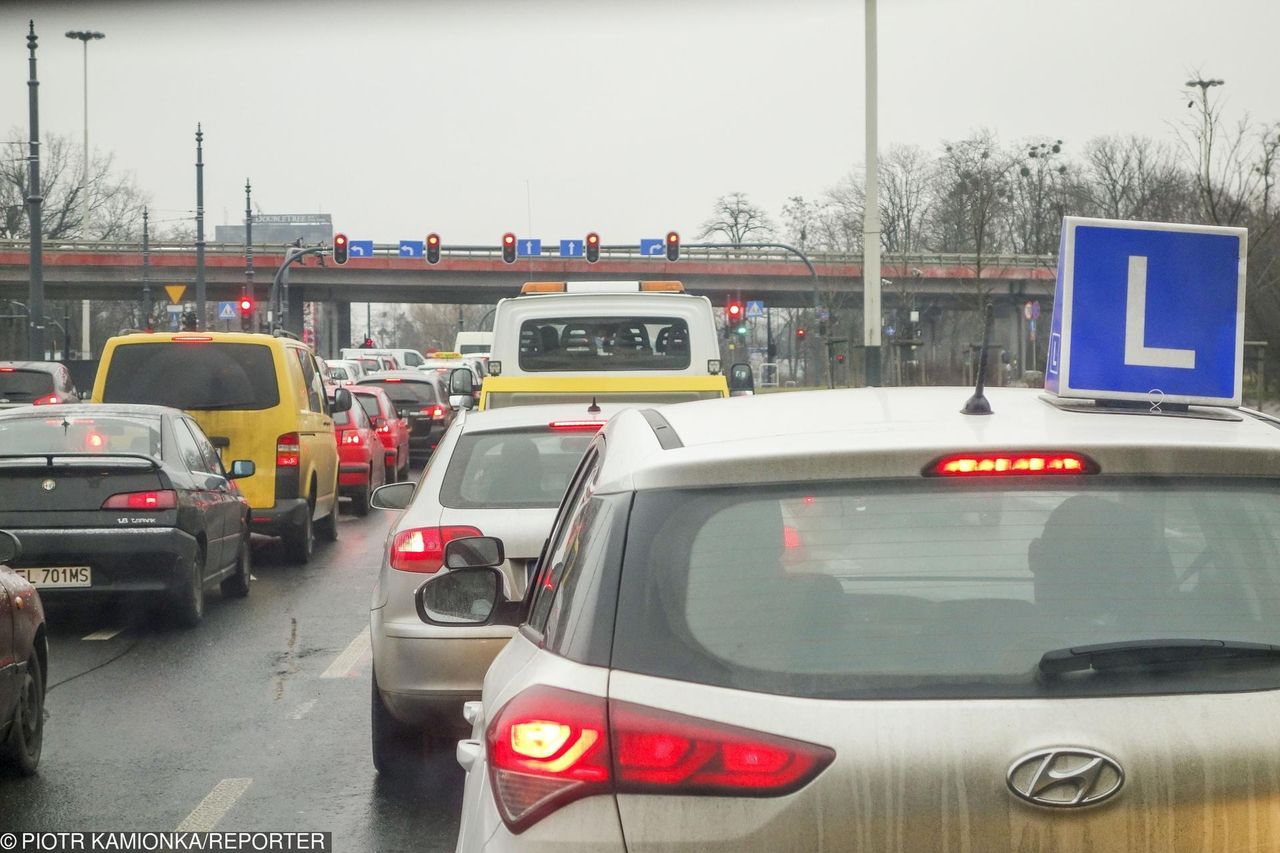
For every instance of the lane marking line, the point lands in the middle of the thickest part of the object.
(301, 711)
(349, 657)
(212, 808)
(104, 634)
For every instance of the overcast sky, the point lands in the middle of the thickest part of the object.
(472, 117)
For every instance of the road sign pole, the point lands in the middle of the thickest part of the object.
(200, 294)
(35, 298)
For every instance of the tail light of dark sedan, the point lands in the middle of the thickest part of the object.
(548, 747)
(435, 411)
(146, 501)
(421, 549)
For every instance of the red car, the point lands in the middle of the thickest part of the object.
(392, 429)
(361, 457)
(24, 665)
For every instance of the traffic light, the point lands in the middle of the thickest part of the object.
(673, 245)
(735, 312)
(742, 329)
(367, 344)
(593, 247)
(800, 333)
(509, 248)
(840, 358)
(246, 313)
(339, 248)
(433, 248)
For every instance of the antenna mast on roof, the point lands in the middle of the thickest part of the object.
(978, 404)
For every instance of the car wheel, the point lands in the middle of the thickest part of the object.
(237, 586)
(188, 607)
(300, 541)
(397, 749)
(21, 750)
(328, 526)
(360, 497)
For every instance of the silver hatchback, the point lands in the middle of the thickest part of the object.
(499, 473)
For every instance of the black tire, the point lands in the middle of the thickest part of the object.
(188, 602)
(360, 498)
(300, 541)
(327, 528)
(403, 474)
(397, 749)
(21, 749)
(237, 586)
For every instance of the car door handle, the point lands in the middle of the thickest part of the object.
(471, 711)
(468, 753)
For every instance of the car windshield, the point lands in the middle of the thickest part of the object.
(604, 343)
(512, 469)
(885, 590)
(17, 385)
(99, 433)
(193, 376)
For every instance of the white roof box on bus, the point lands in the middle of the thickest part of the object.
(602, 287)
(1147, 311)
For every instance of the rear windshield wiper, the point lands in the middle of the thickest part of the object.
(1134, 653)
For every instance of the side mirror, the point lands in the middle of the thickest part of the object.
(394, 496)
(241, 468)
(741, 382)
(460, 598)
(461, 401)
(474, 552)
(11, 548)
(461, 382)
(341, 400)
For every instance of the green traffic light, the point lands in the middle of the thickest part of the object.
(742, 330)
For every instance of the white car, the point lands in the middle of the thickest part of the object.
(498, 473)
(345, 371)
(861, 620)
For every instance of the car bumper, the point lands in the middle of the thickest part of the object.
(425, 677)
(351, 475)
(121, 561)
(424, 440)
(286, 514)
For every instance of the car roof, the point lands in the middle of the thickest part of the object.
(512, 417)
(125, 409)
(896, 432)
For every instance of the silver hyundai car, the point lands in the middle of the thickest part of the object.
(499, 473)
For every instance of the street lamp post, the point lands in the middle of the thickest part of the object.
(86, 313)
(871, 213)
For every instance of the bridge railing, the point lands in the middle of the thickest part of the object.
(687, 253)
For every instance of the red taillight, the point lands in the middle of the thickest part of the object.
(350, 438)
(1010, 464)
(548, 747)
(421, 549)
(288, 450)
(7, 369)
(148, 501)
(392, 379)
(385, 429)
(436, 412)
(45, 401)
(576, 426)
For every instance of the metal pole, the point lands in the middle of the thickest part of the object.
(871, 213)
(35, 299)
(248, 251)
(146, 270)
(86, 312)
(200, 294)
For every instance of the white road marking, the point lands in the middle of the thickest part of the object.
(104, 634)
(349, 657)
(212, 808)
(301, 711)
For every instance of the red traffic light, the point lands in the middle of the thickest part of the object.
(734, 311)
(593, 247)
(800, 333)
(509, 248)
(673, 245)
(339, 248)
(246, 305)
(433, 248)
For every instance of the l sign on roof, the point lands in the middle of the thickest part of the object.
(1148, 311)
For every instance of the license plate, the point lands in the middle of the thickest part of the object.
(55, 576)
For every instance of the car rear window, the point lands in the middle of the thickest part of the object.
(879, 590)
(81, 434)
(193, 376)
(406, 392)
(604, 343)
(512, 469)
(369, 403)
(338, 373)
(21, 386)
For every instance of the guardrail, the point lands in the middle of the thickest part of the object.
(618, 253)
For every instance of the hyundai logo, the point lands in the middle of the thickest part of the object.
(1064, 778)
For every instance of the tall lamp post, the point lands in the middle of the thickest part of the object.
(85, 36)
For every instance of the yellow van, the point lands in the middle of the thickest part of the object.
(612, 341)
(258, 397)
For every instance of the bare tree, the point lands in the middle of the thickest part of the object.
(906, 196)
(1037, 198)
(1133, 177)
(735, 219)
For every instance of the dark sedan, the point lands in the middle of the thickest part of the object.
(123, 500)
(24, 665)
(38, 383)
(422, 399)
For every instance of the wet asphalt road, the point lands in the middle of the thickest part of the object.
(144, 726)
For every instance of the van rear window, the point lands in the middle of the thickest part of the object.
(604, 343)
(23, 386)
(193, 376)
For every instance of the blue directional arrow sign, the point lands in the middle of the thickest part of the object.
(360, 248)
(410, 248)
(571, 248)
(226, 310)
(755, 309)
(527, 247)
(1150, 312)
(652, 246)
